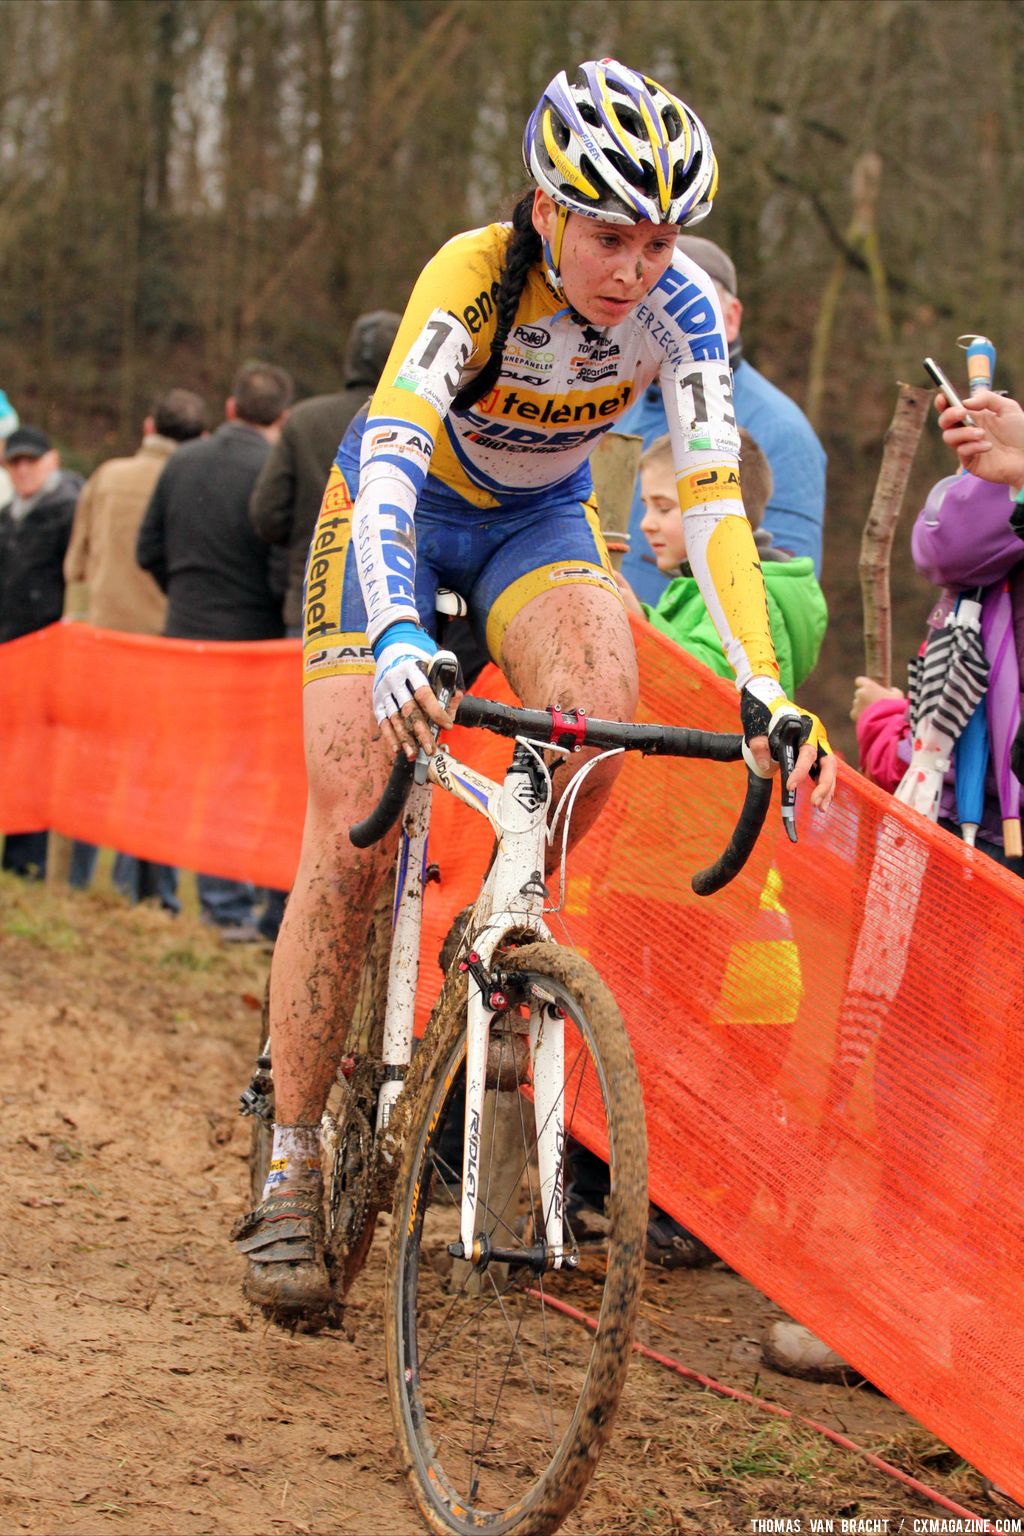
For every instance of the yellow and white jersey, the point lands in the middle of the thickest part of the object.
(562, 385)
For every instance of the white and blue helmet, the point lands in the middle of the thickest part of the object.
(617, 146)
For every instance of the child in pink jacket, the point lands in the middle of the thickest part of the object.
(962, 539)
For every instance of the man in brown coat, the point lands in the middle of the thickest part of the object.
(119, 595)
(109, 512)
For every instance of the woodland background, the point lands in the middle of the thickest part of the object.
(187, 183)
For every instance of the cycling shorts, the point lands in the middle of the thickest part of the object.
(497, 559)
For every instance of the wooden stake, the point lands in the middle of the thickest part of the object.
(901, 441)
(614, 465)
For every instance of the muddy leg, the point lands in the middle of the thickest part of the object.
(573, 647)
(319, 953)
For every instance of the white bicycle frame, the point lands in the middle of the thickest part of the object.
(513, 896)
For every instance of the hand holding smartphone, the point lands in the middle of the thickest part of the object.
(932, 368)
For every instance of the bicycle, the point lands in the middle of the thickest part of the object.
(484, 1228)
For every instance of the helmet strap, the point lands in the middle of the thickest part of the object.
(553, 252)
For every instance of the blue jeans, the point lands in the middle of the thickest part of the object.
(25, 853)
(83, 865)
(138, 880)
(227, 903)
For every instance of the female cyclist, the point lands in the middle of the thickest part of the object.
(521, 345)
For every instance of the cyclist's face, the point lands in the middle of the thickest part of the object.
(662, 524)
(607, 269)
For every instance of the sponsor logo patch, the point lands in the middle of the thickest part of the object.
(715, 482)
(532, 336)
(582, 573)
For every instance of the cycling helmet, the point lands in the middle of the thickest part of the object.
(617, 146)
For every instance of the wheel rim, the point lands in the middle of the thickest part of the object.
(494, 1385)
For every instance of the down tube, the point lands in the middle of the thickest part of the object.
(403, 971)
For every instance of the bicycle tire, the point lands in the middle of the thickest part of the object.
(499, 1485)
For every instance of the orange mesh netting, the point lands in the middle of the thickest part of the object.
(184, 752)
(831, 1049)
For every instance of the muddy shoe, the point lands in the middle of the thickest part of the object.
(793, 1350)
(671, 1246)
(283, 1240)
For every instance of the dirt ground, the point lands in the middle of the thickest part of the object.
(139, 1395)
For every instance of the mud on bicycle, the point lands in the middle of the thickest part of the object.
(500, 1409)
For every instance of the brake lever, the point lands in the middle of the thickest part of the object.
(444, 675)
(788, 748)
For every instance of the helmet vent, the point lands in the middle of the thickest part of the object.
(673, 123)
(630, 119)
(559, 131)
(686, 175)
(592, 174)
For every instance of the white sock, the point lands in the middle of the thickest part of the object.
(295, 1158)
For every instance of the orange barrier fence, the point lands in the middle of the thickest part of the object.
(832, 1049)
(179, 751)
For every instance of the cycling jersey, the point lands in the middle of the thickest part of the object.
(526, 444)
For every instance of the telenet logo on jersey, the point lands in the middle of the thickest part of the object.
(336, 496)
(577, 408)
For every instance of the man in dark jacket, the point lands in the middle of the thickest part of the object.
(221, 580)
(290, 488)
(196, 540)
(34, 532)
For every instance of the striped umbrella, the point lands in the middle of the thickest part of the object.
(951, 677)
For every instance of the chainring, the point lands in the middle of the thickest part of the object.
(351, 1210)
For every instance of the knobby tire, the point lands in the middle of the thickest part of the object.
(472, 1463)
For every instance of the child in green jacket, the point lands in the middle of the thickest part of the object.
(796, 604)
(798, 615)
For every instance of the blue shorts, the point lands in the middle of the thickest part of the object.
(498, 559)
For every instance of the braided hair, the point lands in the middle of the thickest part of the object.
(524, 250)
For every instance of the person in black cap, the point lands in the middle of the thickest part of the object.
(34, 531)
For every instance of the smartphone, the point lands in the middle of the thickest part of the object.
(932, 368)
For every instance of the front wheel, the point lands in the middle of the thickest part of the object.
(502, 1405)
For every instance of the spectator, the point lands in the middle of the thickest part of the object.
(221, 580)
(122, 596)
(962, 539)
(795, 512)
(796, 604)
(291, 484)
(993, 450)
(34, 530)
(8, 423)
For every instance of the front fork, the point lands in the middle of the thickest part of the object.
(514, 896)
(547, 1058)
(404, 964)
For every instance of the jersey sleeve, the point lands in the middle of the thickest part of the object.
(696, 383)
(444, 337)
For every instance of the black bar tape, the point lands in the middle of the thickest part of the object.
(388, 808)
(741, 844)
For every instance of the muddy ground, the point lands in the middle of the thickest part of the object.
(138, 1394)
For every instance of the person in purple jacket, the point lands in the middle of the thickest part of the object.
(962, 539)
